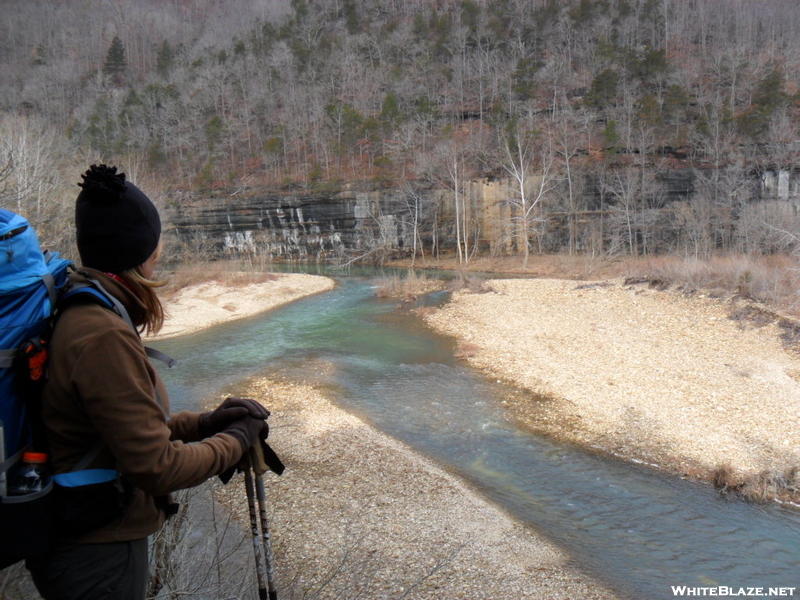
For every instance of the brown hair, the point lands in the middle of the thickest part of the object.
(145, 290)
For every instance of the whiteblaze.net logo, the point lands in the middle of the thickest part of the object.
(723, 590)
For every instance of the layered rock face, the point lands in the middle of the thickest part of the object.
(308, 227)
(484, 217)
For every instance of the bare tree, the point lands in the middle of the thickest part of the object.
(201, 551)
(527, 158)
(413, 201)
(621, 186)
(568, 134)
(452, 170)
(34, 183)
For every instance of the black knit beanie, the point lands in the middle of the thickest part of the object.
(118, 227)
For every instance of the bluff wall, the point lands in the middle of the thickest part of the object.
(343, 225)
(339, 226)
(293, 226)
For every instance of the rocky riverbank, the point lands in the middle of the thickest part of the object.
(695, 385)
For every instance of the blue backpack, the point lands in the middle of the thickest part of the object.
(34, 287)
(30, 283)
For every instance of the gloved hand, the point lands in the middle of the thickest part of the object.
(248, 431)
(257, 460)
(232, 409)
(268, 457)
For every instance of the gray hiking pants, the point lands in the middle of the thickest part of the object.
(112, 571)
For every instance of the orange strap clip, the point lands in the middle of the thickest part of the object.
(36, 354)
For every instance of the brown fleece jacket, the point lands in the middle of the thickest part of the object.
(101, 384)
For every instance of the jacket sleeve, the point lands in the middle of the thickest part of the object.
(117, 385)
(184, 426)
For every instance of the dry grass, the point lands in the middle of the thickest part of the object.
(771, 280)
(423, 311)
(539, 265)
(761, 487)
(474, 284)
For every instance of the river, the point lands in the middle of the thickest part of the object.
(635, 529)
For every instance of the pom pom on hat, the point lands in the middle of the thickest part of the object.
(118, 227)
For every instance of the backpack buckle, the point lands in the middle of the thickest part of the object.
(35, 355)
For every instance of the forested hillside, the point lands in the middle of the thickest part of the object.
(624, 126)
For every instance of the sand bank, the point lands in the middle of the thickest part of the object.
(685, 382)
(205, 304)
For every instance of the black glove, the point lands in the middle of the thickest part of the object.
(232, 409)
(248, 431)
(258, 461)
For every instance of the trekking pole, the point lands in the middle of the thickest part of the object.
(259, 466)
(257, 539)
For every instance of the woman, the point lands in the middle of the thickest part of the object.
(104, 403)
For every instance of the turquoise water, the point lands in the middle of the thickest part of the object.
(637, 530)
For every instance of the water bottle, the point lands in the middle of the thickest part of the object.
(31, 475)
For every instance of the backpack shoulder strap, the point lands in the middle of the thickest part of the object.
(93, 291)
(160, 356)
